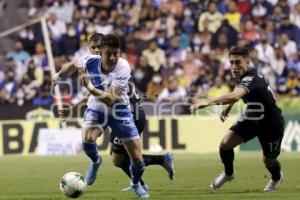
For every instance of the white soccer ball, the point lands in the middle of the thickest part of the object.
(72, 185)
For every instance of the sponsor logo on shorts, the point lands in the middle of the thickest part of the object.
(117, 141)
(91, 116)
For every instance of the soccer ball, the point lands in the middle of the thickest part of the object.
(72, 185)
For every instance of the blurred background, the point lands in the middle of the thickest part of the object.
(177, 50)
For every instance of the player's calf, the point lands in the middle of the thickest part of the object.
(274, 167)
(91, 150)
(137, 171)
(122, 161)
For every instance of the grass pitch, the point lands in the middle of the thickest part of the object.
(38, 178)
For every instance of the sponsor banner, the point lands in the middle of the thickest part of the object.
(176, 134)
(21, 136)
(185, 133)
(59, 142)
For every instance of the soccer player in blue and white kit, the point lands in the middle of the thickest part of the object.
(106, 79)
(119, 154)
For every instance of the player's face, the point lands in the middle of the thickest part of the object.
(95, 47)
(110, 56)
(238, 65)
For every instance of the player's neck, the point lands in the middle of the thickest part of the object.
(246, 72)
(107, 68)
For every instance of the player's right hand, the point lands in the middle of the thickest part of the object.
(55, 80)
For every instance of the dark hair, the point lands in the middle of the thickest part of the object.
(96, 37)
(239, 51)
(111, 40)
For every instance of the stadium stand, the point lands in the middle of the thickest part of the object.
(186, 39)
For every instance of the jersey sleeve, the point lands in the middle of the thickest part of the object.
(248, 83)
(121, 76)
(80, 63)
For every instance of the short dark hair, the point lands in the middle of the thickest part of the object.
(96, 37)
(239, 51)
(111, 40)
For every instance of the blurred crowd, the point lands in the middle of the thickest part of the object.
(178, 50)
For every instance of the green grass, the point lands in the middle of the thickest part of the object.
(38, 178)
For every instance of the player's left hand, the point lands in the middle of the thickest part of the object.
(199, 105)
(85, 80)
(224, 115)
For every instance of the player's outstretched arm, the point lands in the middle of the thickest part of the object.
(230, 98)
(65, 70)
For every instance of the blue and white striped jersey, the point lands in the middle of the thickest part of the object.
(118, 77)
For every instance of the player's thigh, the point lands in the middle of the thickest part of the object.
(90, 132)
(230, 140)
(127, 132)
(240, 132)
(271, 147)
(271, 139)
(93, 125)
(134, 150)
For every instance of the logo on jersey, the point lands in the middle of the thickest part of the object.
(121, 78)
(247, 79)
(260, 74)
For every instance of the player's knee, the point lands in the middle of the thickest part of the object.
(137, 160)
(89, 138)
(269, 161)
(90, 135)
(136, 157)
(134, 151)
(225, 145)
(117, 162)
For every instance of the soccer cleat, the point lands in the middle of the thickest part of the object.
(146, 187)
(138, 190)
(273, 185)
(130, 189)
(169, 164)
(91, 173)
(220, 180)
